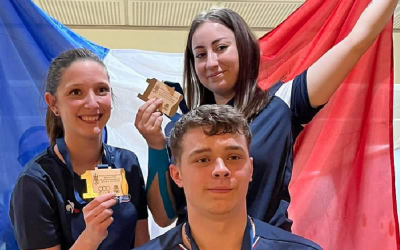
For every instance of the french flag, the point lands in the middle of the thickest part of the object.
(343, 193)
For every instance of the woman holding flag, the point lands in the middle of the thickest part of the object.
(221, 66)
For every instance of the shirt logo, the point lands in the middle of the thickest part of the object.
(70, 207)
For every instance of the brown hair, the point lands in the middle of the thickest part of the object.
(214, 120)
(54, 126)
(249, 98)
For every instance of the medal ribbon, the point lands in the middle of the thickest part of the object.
(62, 148)
(248, 238)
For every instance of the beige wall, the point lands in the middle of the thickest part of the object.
(171, 40)
(146, 39)
(162, 40)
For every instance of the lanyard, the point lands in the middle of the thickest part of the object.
(62, 148)
(248, 238)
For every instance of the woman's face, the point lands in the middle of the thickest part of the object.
(83, 99)
(216, 59)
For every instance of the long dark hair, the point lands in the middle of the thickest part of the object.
(54, 126)
(249, 98)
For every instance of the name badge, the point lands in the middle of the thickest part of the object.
(106, 180)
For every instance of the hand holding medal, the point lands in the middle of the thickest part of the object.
(104, 180)
(160, 90)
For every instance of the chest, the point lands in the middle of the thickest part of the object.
(272, 131)
(121, 233)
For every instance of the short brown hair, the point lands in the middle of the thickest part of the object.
(214, 120)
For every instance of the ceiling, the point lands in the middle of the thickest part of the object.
(262, 14)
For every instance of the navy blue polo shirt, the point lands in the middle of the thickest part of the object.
(45, 213)
(274, 131)
(266, 237)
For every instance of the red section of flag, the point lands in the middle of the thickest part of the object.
(343, 194)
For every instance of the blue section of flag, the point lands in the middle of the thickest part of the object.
(29, 40)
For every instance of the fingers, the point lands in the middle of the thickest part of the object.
(151, 109)
(101, 228)
(141, 110)
(148, 123)
(103, 216)
(100, 208)
(145, 112)
(157, 124)
(98, 217)
(106, 223)
(151, 123)
(96, 202)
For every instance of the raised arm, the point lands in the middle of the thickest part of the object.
(159, 196)
(326, 75)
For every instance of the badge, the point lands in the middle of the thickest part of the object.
(103, 180)
(160, 90)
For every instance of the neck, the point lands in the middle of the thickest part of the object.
(211, 231)
(85, 153)
(221, 100)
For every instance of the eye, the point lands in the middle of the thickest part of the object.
(75, 92)
(222, 47)
(104, 90)
(234, 157)
(200, 55)
(202, 160)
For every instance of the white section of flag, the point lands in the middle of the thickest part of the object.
(128, 70)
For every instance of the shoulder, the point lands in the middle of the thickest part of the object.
(171, 123)
(35, 204)
(168, 241)
(35, 175)
(121, 157)
(120, 151)
(267, 232)
(36, 167)
(285, 91)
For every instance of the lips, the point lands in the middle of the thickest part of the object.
(90, 118)
(221, 190)
(216, 74)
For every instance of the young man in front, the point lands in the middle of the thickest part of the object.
(210, 145)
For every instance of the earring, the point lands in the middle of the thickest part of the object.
(56, 113)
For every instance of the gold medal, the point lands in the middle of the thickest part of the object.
(102, 181)
(160, 90)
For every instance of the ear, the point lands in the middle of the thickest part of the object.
(51, 102)
(176, 175)
(251, 169)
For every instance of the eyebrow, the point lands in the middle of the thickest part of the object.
(79, 84)
(206, 150)
(200, 151)
(240, 148)
(214, 42)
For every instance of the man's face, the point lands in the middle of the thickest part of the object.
(214, 171)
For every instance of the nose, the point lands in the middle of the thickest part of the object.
(220, 170)
(212, 60)
(91, 101)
